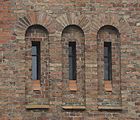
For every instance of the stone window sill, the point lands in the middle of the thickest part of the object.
(72, 85)
(108, 86)
(32, 106)
(110, 108)
(74, 107)
(36, 85)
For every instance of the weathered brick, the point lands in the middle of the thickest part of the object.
(64, 21)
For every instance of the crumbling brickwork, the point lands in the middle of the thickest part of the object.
(55, 23)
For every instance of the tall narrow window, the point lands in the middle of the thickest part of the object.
(72, 60)
(107, 61)
(35, 60)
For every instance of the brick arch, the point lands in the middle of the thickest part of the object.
(33, 18)
(74, 19)
(113, 20)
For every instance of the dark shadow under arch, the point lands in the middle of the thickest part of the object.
(111, 29)
(36, 27)
(70, 27)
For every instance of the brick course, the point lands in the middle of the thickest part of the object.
(63, 20)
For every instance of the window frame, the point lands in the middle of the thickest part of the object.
(107, 61)
(36, 74)
(72, 60)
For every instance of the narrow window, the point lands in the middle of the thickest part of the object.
(35, 60)
(107, 61)
(72, 60)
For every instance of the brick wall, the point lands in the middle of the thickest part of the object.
(82, 21)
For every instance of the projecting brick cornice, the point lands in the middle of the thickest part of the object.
(110, 19)
(34, 18)
(74, 19)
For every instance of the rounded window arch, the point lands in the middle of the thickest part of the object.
(36, 29)
(108, 32)
(71, 28)
(109, 28)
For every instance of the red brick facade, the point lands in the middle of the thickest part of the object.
(55, 23)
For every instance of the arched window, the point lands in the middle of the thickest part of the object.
(73, 42)
(37, 59)
(109, 74)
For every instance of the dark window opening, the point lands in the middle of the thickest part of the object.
(72, 60)
(35, 60)
(107, 61)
